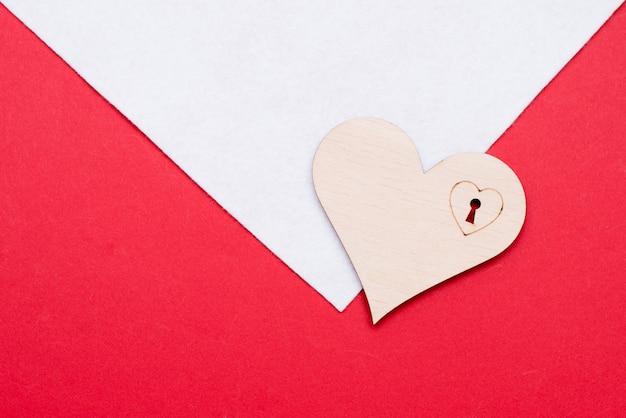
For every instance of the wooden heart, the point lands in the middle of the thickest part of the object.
(405, 230)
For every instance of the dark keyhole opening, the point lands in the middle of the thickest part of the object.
(474, 204)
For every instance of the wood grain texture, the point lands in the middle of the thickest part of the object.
(405, 230)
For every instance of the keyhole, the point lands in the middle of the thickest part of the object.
(474, 204)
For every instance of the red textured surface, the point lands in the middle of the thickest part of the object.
(126, 290)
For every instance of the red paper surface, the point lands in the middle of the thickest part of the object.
(126, 290)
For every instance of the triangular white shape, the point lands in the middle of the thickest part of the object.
(239, 94)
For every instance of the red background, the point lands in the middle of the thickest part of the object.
(125, 289)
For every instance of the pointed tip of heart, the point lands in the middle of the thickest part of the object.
(376, 319)
(379, 311)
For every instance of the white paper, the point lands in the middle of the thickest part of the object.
(240, 93)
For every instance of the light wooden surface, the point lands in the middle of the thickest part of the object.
(405, 230)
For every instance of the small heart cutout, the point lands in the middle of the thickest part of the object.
(405, 230)
(474, 208)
